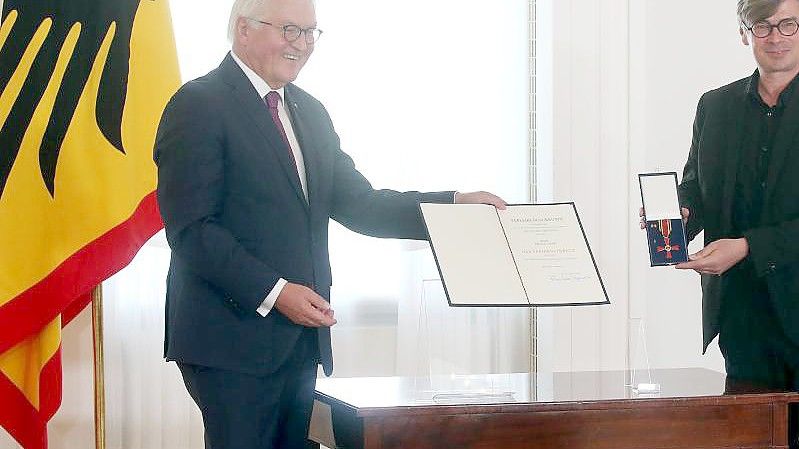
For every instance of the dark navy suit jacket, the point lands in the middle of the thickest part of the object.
(237, 220)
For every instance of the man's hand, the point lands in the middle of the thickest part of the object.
(642, 221)
(480, 198)
(303, 306)
(717, 257)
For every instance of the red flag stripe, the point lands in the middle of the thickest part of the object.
(26, 314)
(22, 421)
(50, 386)
(74, 308)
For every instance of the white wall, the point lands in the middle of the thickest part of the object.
(627, 76)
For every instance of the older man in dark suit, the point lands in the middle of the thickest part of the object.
(250, 173)
(741, 185)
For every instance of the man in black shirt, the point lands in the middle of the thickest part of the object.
(741, 186)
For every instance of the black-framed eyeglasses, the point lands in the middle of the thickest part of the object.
(786, 27)
(292, 32)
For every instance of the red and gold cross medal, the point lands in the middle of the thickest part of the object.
(665, 230)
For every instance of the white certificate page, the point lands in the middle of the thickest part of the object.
(552, 254)
(472, 254)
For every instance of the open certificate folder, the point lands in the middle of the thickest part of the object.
(525, 255)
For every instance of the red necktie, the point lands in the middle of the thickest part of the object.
(272, 99)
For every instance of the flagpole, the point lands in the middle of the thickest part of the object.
(99, 372)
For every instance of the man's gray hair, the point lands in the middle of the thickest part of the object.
(242, 8)
(751, 11)
(245, 8)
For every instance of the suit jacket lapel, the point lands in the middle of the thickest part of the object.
(783, 142)
(307, 143)
(256, 110)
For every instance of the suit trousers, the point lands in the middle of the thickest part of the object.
(758, 355)
(244, 411)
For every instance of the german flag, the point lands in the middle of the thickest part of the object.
(82, 87)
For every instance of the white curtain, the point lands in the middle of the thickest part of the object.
(147, 405)
(428, 96)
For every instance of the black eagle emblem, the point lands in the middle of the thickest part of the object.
(95, 17)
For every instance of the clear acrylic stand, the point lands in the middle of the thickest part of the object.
(640, 373)
(440, 379)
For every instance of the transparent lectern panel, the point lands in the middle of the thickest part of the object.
(455, 349)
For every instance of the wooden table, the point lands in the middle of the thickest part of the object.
(556, 410)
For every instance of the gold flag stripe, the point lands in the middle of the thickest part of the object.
(23, 363)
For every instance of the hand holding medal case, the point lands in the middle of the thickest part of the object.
(665, 231)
